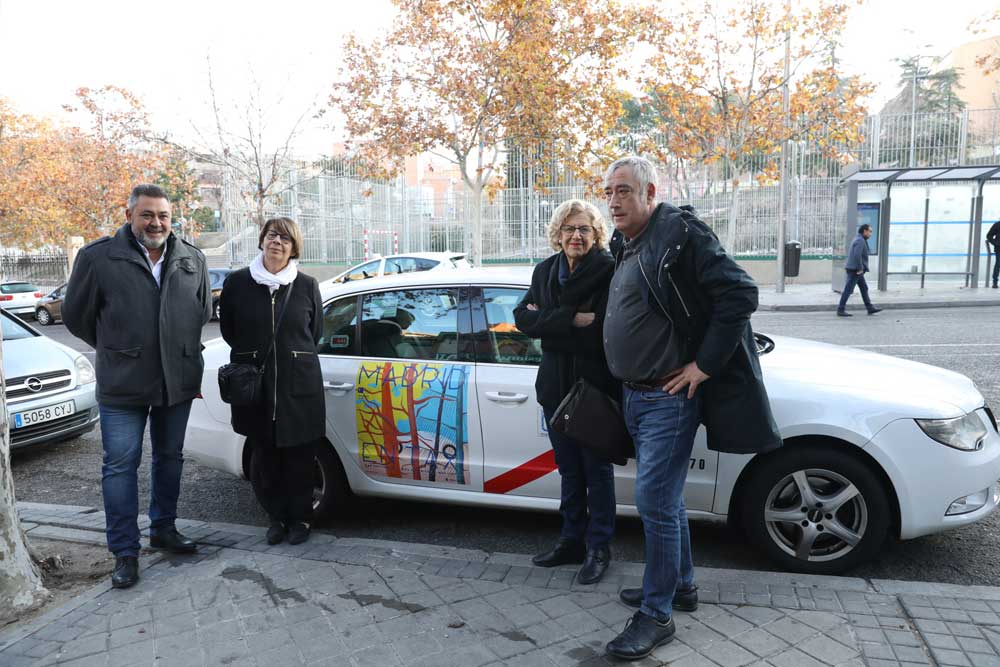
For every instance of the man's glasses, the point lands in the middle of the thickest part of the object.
(584, 230)
(285, 239)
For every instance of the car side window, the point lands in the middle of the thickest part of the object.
(340, 319)
(411, 324)
(400, 265)
(507, 344)
(369, 270)
(426, 264)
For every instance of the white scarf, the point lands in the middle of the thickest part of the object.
(262, 276)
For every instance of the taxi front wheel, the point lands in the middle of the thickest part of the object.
(331, 491)
(816, 509)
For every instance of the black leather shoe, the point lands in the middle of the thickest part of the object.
(841, 313)
(276, 533)
(641, 635)
(594, 566)
(872, 311)
(566, 552)
(126, 572)
(684, 600)
(170, 540)
(298, 532)
(994, 285)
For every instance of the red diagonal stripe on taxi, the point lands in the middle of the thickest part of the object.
(526, 472)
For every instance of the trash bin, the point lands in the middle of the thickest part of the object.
(793, 255)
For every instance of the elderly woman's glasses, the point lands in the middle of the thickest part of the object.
(270, 236)
(569, 230)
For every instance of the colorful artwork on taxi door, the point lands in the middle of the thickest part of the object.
(412, 421)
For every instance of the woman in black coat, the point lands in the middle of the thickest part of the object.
(565, 309)
(283, 429)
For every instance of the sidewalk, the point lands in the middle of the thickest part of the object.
(818, 297)
(367, 602)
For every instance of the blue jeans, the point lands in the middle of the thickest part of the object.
(854, 278)
(122, 429)
(587, 494)
(663, 429)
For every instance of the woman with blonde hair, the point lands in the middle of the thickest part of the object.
(565, 309)
(272, 316)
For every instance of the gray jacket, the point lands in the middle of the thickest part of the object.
(147, 338)
(857, 256)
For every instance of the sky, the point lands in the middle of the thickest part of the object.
(291, 50)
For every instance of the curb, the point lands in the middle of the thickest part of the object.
(223, 535)
(896, 305)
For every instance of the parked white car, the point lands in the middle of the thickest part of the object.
(19, 297)
(50, 387)
(430, 396)
(396, 264)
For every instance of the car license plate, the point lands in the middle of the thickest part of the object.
(22, 419)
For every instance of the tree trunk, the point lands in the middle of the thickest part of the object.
(477, 226)
(21, 587)
(731, 226)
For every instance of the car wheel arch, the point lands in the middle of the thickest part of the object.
(736, 499)
(331, 455)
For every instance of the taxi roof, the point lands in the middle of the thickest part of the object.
(508, 275)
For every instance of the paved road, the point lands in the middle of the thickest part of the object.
(961, 339)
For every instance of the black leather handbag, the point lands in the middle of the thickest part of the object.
(242, 385)
(594, 420)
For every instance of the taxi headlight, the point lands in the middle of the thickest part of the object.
(966, 433)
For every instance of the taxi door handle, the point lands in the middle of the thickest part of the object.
(506, 397)
(338, 386)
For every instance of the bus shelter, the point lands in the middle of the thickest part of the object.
(929, 223)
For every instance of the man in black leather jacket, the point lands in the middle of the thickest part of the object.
(677, 334)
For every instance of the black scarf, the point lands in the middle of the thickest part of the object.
(592, 273)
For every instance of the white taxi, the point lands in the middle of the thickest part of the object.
(430, 396)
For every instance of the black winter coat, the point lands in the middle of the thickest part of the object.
(709, 299)
(293, 396)
(147, 338)
(568, 352)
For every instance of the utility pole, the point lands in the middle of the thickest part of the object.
(913, 112)
(783, 179)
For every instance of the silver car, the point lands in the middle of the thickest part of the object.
(50, 387)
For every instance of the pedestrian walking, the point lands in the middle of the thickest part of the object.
(993, 240)
(140, 299)
(270, 301)
(677, 334)
(856, 267)
(564, 307)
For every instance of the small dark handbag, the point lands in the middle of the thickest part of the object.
(594, 420)
(242, 385)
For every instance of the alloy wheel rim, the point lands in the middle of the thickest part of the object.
(319, 485)
(816, 515)
(42, 316)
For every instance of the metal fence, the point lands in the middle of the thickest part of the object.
(339, 209)
(50, 269)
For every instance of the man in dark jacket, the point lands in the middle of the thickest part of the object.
(677, 334)
(140, 299)
(856, 267)
(993, 239)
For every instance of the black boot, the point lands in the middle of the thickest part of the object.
(276, 533)
(684, 600)
(566, 552)
(168, 539)
(641, 635)
(594, 566)
(298, 532)
(126, 572)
